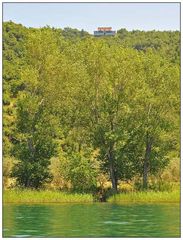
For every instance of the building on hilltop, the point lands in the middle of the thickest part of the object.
(104, 31)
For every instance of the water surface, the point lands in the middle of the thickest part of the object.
(91, 220)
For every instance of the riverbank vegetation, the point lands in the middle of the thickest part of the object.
(146, 197)
(32, 196)
(47, 196)
(90, 115)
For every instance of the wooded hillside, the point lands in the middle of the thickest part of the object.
(80, 111)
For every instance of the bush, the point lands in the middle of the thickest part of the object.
(58, 169)
(83, 169)
(8, 163)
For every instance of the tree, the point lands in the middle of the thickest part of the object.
(14, 37)
(156, 115)
(72, 34)
(112, 94)
(35, 145)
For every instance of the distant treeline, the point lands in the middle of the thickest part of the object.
(80, 111)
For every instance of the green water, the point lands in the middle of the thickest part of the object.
(91, 220)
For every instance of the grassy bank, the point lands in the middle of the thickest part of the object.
(30, 196)
(146, 197)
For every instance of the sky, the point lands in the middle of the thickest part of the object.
(89, 16)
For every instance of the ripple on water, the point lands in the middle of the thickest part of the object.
(140, 220)
(30, 230)
(68, 221)
(112, 222)
(5, 229)
(21, 236)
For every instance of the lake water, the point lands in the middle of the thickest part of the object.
(91, 220)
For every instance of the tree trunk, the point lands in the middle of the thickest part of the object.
(111, 160)
(96, 85)
(31, 148)
(146, 162)
(112, 170)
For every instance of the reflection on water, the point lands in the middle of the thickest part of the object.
(91, 220)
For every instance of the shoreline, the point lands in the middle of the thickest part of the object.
(56, 197)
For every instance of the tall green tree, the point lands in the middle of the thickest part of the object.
(156, 115)
(35, 145)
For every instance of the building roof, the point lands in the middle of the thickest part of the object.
(104, 31)
(104, 28)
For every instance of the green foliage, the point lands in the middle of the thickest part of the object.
(35, 145)
(14, 37)
(167, 43)
(73, 34)
(82, 171)
(67, 95)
